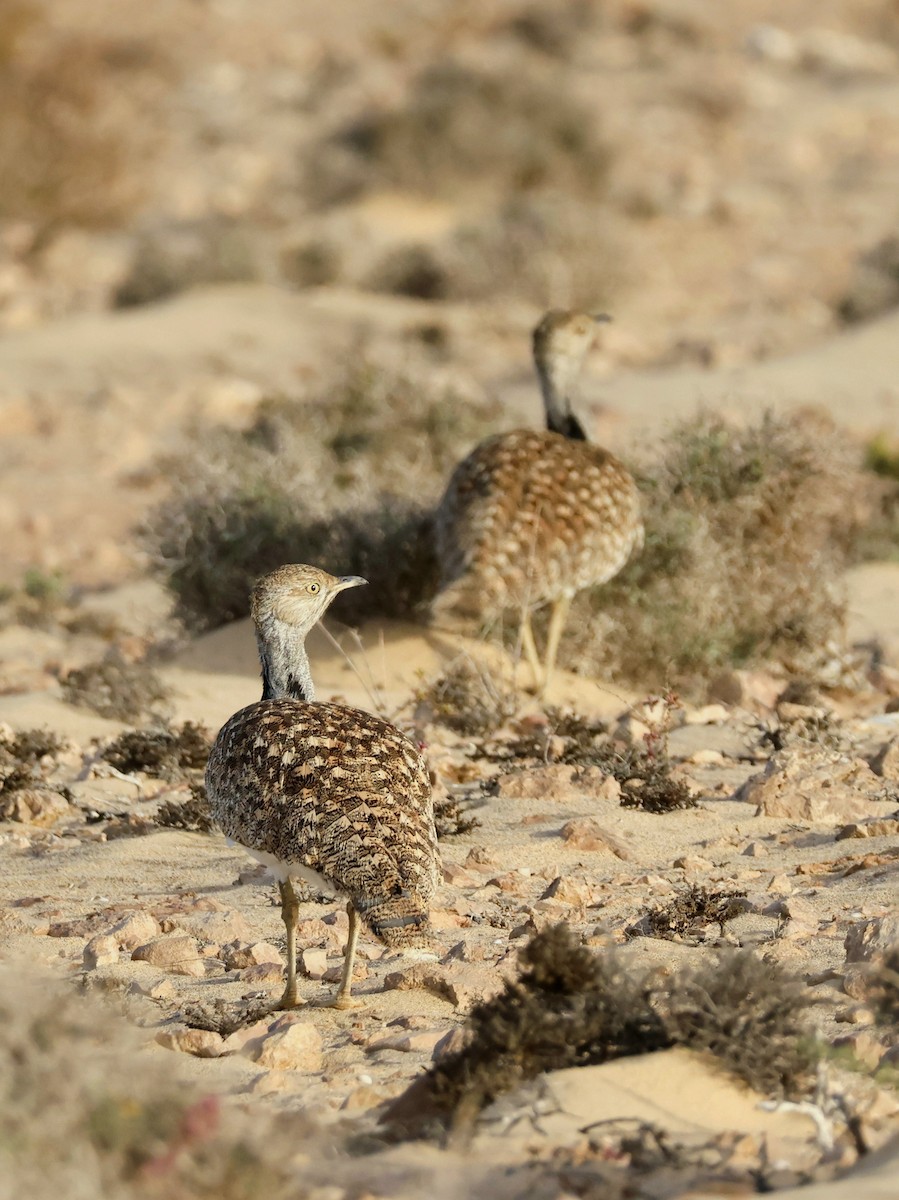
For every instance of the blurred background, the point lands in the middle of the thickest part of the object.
(724, 177)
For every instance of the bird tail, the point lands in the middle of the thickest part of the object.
(400, 921)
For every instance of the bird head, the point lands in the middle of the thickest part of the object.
(560, 342)
(297, 595)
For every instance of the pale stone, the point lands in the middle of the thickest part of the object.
(419, 1041)
(886, 761)
(135, 930)
(202, 1043)
(568, 890)
(176, 953)
(558, 782)
(693, 863)
(238, 955)
(161, 989)
(583, 833)
(262, 974)
(314, 963)
(298, 1047)
(869, 940)
(219, 928)
(101, 951)
(34, 806)
(708, 714)
(867, 1049)
(813, 785)
(755, 850)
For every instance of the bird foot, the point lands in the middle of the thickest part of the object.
(342, 1002)
(288, 1000)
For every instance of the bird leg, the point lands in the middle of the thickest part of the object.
(529, 647)
(343, 999)
(556, 625)
(290, 908)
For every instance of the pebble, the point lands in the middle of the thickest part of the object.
(101, 951)
(176, 953)
(313, 963)
(583, 833)
(202, 1043)
(298, 1047)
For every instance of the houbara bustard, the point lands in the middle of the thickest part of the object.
(325, 793)
(533, 516)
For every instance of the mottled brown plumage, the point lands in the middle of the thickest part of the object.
(324, 792)
(533, 516)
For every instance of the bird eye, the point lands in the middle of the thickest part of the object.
(315, 587)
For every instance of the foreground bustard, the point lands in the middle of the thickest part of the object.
(321, 792)
(532, 517)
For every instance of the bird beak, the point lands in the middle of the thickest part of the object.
(601, 318)
(348, 581)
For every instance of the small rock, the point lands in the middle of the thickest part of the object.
(161, 989)
(419, 1041)
(557, 783)
(755, 850)
(868, 941)
(885, 762)
(693, 863)
(867, 1049)
(101, 951)
(568, 890)
(334, 974)
(202, 1043)
(216, 927)
(457, 876)
(34, 806)
(583, 833)
(314, 963)
(813, 785)
(176, 953)
(457, 1039)
(706, 758)
(708, 714)
(855, 1014)
(238, 955)
(885, 827)
(780, 885)
(298, 1047)
(262, 974)
(135, 930)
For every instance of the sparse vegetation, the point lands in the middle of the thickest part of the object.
(747, 531)
(116, 688)
(451, 820)
(304, 483)
(468, 699)
(193, 814)
(689, 912)
(163, 752)
(571, 1007)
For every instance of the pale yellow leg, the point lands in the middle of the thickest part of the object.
(343, 999)
(554, 634)
(529, 648)
(290, 908)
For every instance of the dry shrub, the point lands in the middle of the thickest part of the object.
(468, 699)
(570, 1007)
(874, 286)
(84, 1112)
(172, 258)
(116, 688)
(163, 752)
(688, 913)
(747, 533)
(451, 820)
(464, 127)
(305, 484)
(72, 145)
(193, 814)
